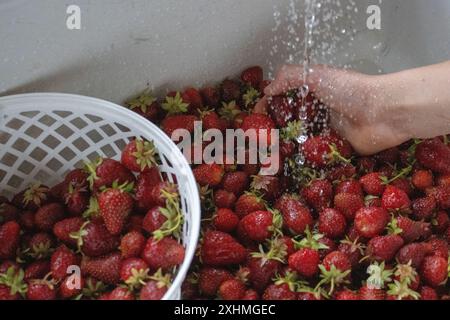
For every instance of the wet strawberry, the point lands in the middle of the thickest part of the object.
(93, 239)
(423, 208)
(279, 292)
(47, 216)
(414, 253)
(64, 228)
(372, 184)
(225, 220)
(146, 183)
(259, 124)
(70, 287)
(164, 254)
(282, 110)
(248, 203)
(37, 270)
(422, 179)
(348, 204)
(371, 221)
(61, 260)
(221, 249)
(384, 248)
(259, 225)
(296, 217)
(435, 155)
(232, 289)
(412, 230)
(230, 90)
(267, 186)
(318, 194)
(224, 199)
(236, 182)
(104, 172)
(395, 199)
(305, 262)
(41, 290)
(209, 174)
(210, 97)
(332, 223)
(252, 76)
(434, 271)
(139, 155)
(104, 268)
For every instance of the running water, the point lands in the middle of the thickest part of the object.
(310, 19)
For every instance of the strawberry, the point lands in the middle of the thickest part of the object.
(332, 223)
(145, 185)
(412, 230)
(221, 249)
(78, 178)
(40, 245)
(210, 96)
(441, 221)
(230, 90)
(76, 200)
(395, 199)
(441, 195)
(232, 289)
(5, 265)
(259, 225)
(104, 268)
(61, 260)
(134, 272)
(305, 261)
(440, 247)
(423, 208)
(68, 287)
(414, 253)
(224, 199)
(250, 295)
(371, 221)
(434, 271)
(104, 172)
(372, 184)
(428, 293)
(262, 270)
(261, 125)
(31, 198)
(369, 293)
(236, 182)
(248, 203)
(174, 122)
(347, 294)
(321, 151)
(41, 290)
(209, 174)
(64, 228)
(93, 239)
(9, 239)
(193, 98)
(434, 155)
(115, 207)
(153, 220)
(338, 259)
(48, 215)
(443, 180)
(156, 288)
(26, 220)
(175, 104)
(132, 244)
(146, 105)
(389, 156)
(225, 220)
(164, 254)
(318, 194)
(252, 76)
(296, 217)
(366, 164)
(279, 292)
(282, 110)
(349, 186)
(210, 280)
(422, 179)
(267, 186)
(8, 212)
(37, 269)
(12, 285)
(139, 155)
(348, 204)
(384, 248)
(211, 120)
(121, 294)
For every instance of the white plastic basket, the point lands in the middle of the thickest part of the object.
(44, 135)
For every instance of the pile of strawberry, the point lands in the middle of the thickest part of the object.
(109, 231)
(330, 224)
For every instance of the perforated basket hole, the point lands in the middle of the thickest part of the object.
(9, 159)
(94, 136)
(64, 131)
(122, 127)
(43, 176)
(21, 145)
(29, 114)
(108, 151)
(38, 154)
(33, 131)
(47, 120)
(63, 114)
(2, 174)
(79, 123)
(15, 124)
(26, 167)
(93, 118)
(108, 130)
(120, 144)
(15, 181)
(54, 164)
(81, 144)
(93, 156)
(67, 154)
(51, 142)
(4, 137)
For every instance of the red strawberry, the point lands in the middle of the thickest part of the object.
(94, 240)
(40, 245)
(340, 172)
(305, 262)
(434, 271)
(414, 253)
(279, 292)
(321, 151)
(261, 125)
(353, 249)
(366, 164)
(210, 97)
(262, 271)
(210, 280)
(8, 212)
(372, 184)
(41, 290)
(224, 199)
(105, 172)
(442, 180)
(209, 174)
(174, 122)
(225, 220)
(37, 270)
(115, 206)
(69, 289)
(332, 223)
(369, 293)
(121, 294)
(412, 230)
(193, 98)
(61, 260)
(253, 76)
(221, 249)
(132, 244)
(268, 186)
(146, 183)
(147, 106)
(134, 271)
(153, 220)
(232, 289)
(440, 247)
(156, 288)
(248, 203)
(371, 221)
(259, 225)
(76, 200)
(104, 268)
(64, 228)
(236, 182)
(395, 199)
(384, 248)
(47, 216)
(250, 295)
(338, 259)
(441, 195)
(230, 90)
(422, 179)
(348, 204)
(434, 155)
(9, 239)
(211, 120)
(139, 155)
(296, 217)
(349, 186)
(423, 208)
(427, 293)
(441, 221)
(78, 178)
(347, 294)
(31, 198)
(318, 194)
(165, 254)
(282, 110)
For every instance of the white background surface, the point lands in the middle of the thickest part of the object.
(123, 45)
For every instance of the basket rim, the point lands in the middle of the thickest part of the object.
(49, 97)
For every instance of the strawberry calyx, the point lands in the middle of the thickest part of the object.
(317, 292)
(79, 235)
(355, 245)
(393, 228)
(162, 280)
(333, 277)
(93, 209)
(400, 174)
(90, 168)
(405, 273)
(292, 131)
(291, 279)
(14, 279)
(277, 251)
(41, 250)
(401, 290)
(174, 218)
(138, 278)
(36, 194)
(229, 110)
(175, 105)
(142, 102)
(242, 274)
(311, 241)
(277, 223)
(146, 154)
(379, 276)
(126, 187)
(92, 289)
(301, 174)
(251, 97)
(335, 156)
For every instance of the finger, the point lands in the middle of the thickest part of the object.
(289, 77)
(261, 106)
